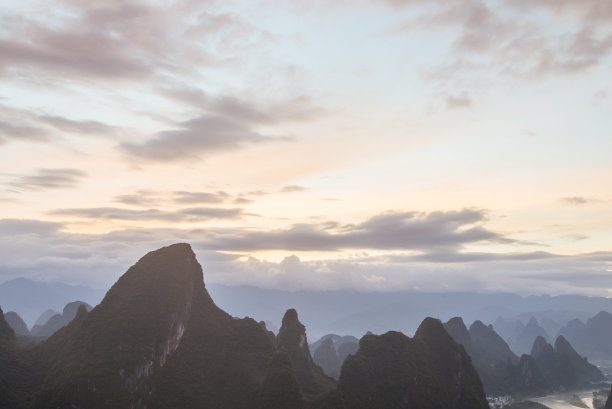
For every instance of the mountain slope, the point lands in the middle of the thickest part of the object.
(395, 371)
(292, 340)
(156, 336)
(15, 321)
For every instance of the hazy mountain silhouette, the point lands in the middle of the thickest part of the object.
(352, 312)
(30, 298)
(562, 366)
(327, 358)
(524, 341)
(330, 351)
(15, 321)
(44, 317)
(58, 321)
(500, 370)
(593, 339)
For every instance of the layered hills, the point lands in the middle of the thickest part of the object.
(429, 370)
(502, 372)
(157, 340)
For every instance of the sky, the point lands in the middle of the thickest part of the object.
(371, 145)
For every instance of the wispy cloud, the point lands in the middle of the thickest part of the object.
(200, 197)
(197, 137)
(190, 214)
(577, 200)
(387, 231)
(293, 188)
(45, 179)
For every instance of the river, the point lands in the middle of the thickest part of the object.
(560, 400)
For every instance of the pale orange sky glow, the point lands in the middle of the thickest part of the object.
(380, 142)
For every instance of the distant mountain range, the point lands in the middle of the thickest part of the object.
(31, 298)
(351, 312)
(544, 369)
(344, 312)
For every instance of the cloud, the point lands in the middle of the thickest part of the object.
(293, 188)
(17, 131)
(45, 179)
(502, 39)
(199, 197)
(10, 227)
(87, 127)
(29, 125)
(44, 251)
(576, 200)
(190, 214)
(458, 101)
(576, 237)
(204, 135)
(386, 231)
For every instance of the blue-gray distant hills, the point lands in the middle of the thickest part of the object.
(355, 313)
(31, 298)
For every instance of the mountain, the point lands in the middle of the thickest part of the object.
(18, 376)
(509, 330)
(593, 339)
(6, 332)
(501, 371)
(427, 371)
(44, 317)
(562, 366)
(156, 340)
(527, 378)
(58, 321)
(330, 351)
(489, 346)
(292, 340)
(29, 298)
(327, 358)
(457, 330)
(347, 348)
(524, 341)
(352, 312)
(338, 340)
(15, 321)
(281, 389)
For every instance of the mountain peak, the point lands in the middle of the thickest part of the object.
(533, 322)
(538, 346)
(291, 316)
(6, 332)
(292, 340)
